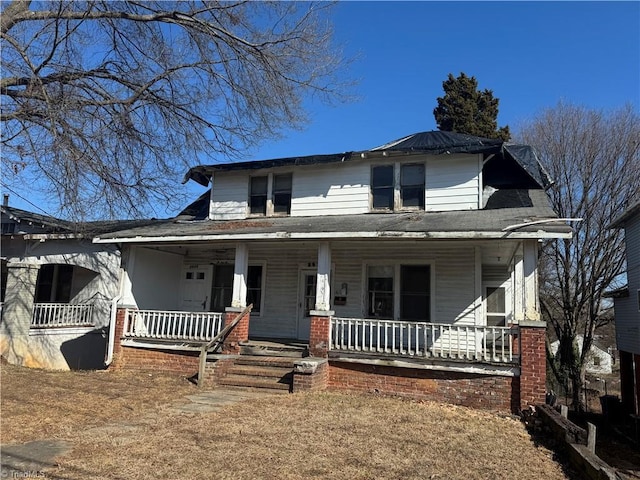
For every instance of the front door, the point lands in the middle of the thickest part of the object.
(306, 302)
(196, 288)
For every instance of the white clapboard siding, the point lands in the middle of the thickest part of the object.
(453, 183)
(331, 190)
(279, 317)
(229, 197)
(626, 309)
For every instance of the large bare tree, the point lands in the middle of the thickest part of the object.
(594, 158)
(106, 103)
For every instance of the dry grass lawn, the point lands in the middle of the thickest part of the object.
(121, 426)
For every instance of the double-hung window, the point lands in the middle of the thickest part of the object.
(412, 186)
(382, 187)
(281, 197)
(270, 194)
(258, 195)
(399, 291)
(398, 187)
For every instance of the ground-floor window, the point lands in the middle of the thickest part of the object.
(399, 291)
(221, 287)
(254, 287)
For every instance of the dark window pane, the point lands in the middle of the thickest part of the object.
(412, 186)
(222, 289)
(382, 186)
(412, 175)
(380, 292)
(258, 195)
(254, 287)
(282, 193)
(383, 176)
(415, 290)
(383, 198)
(413, 197)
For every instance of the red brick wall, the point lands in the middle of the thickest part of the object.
(319, 336)
(533, 366)
(490, 392)
(311, 382)
(148, 359)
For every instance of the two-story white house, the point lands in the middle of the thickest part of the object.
(627, 312)
(409, 268)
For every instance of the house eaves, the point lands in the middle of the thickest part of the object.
(518, 222)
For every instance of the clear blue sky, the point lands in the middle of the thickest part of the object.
(531, 54)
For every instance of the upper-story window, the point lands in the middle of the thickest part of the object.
(270, 194)
(412, 186)
(258, 195)
(281, 197)
(398, 187)
(382, 187)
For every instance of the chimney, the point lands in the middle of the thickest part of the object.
(5, 200)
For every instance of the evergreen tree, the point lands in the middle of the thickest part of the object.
(465, 109)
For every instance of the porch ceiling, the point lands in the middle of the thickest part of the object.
(470, 224)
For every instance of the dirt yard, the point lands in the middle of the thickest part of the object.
(125, 426)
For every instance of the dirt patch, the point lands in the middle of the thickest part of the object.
(322, 435)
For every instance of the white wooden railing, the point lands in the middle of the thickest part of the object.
(62, 315)
(423, 339)
(172, 325)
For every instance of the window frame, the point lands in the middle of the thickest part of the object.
(260, 311)
(275, 192)
(261, 195)
(398, 187)
(269, 196)
(397, 266)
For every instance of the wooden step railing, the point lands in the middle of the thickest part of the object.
(217, 341)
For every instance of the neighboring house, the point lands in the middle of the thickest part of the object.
(599, 360)
(627, 312)
(410, 268)
(58, 291)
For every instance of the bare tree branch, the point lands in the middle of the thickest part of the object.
(594, 156)
(109, 102)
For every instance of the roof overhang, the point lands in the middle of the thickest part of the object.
(391, 235)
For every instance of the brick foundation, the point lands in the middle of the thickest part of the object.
(491, 392)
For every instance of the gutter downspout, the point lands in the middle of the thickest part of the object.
(112, 322)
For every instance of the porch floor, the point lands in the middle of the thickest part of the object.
(275, 347)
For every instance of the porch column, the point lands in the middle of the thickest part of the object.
(241, 268)
(530, 272)
(17, 312)
(533, 363)
(323, 287)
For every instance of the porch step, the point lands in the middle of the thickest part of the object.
(274, 349)
(251, 382)
(260, 372)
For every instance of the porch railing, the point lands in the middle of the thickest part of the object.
(423, 339)
(172, 325)
(62, 315)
